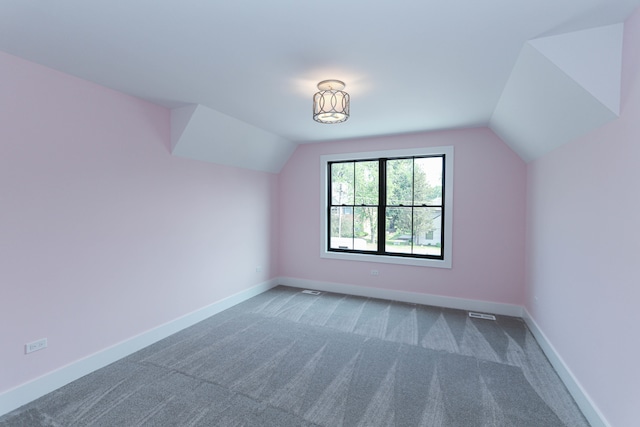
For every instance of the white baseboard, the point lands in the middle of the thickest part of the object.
(27, 392)
(584, 402)
(403, 296)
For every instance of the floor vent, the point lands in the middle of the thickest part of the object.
(307, 291)
(482, 316)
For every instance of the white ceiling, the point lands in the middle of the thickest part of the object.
(409, 65)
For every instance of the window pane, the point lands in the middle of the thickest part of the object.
(428, 181)
(366, 228)
(342, 183)
(414, 231)
(341, 228)
(400, 182)
(427, 231)
(398, 232)
(366, 186)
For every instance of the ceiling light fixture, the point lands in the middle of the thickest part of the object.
(331, 104)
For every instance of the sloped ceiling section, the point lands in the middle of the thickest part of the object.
(201, 133)
(560, 88)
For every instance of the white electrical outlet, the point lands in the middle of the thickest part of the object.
(35, 346)
(375, 272)
(258, 269)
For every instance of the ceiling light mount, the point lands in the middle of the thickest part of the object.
(331, 104)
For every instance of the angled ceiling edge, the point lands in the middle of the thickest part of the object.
(560, 87)
(180, 118)
(592, 57)
(201, 133)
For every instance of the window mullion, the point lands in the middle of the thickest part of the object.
(382, 204)
(330, 200)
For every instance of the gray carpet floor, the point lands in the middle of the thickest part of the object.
(284, 358)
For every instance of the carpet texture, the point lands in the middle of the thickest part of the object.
(284, 358)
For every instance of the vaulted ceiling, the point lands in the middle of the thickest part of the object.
(239, 76)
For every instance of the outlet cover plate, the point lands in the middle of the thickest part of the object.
(35, 346)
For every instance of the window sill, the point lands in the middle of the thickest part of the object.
(418, 262)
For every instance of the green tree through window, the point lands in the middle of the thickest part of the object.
(387, 206)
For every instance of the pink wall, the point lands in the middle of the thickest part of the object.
(488, 224)
(103, 233)
(583, 284)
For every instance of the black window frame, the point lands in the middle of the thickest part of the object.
(383, 205)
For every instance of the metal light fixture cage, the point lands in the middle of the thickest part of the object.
(331, 104)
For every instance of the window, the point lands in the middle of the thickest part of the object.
(389, 206)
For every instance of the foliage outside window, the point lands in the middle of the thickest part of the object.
(389, 206)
